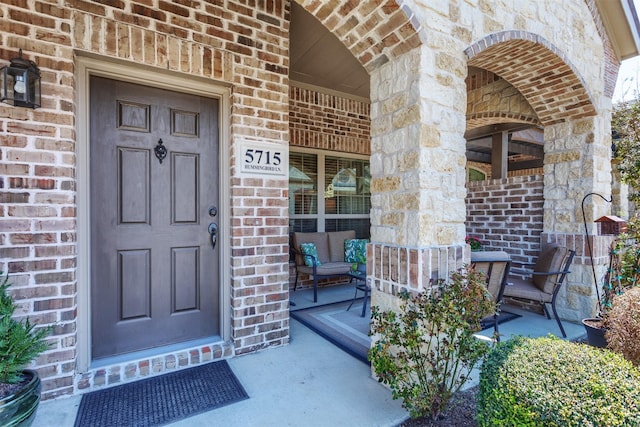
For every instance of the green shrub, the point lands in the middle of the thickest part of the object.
(20, 341)
(426, 351)
(551, 382)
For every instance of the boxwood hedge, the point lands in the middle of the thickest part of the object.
(551, 382)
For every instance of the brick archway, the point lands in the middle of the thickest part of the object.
(491, 118)
(538, 70)
(375, 32)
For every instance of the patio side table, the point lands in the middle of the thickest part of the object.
(361, 285)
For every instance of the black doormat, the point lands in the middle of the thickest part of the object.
(162, 399)
(504, 316)
(345, 329)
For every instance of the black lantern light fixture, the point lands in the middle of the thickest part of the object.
(20, 83)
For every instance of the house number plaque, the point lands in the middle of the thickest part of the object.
(262, 158)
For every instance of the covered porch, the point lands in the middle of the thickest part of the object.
(312, 381)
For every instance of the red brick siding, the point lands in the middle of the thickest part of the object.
(328, 122)
(242, 45)
(507, 215)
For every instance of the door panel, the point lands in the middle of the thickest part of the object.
(134, 284)
(154, 273)
(134, 202)
(185, 279)
(184, 188)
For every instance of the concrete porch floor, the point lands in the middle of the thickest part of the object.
(310, 382)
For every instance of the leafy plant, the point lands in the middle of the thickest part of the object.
(623, 275)
(624, 266)
(625, 124)
(474, 242)
(20, 341)
(551, 382)
(623, 325)
(426, 351)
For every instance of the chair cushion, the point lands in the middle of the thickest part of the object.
(328, 269)
(523, 288)
(550, 259)
(336, 244)
(355, 250)
(319, 239)
(310, 252)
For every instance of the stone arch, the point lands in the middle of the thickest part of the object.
(375, 32)
(535, 67)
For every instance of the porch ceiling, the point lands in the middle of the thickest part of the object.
(526, 144)
(318, 58)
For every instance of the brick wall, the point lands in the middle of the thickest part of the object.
(507, 215)
(328, 121)
(234, 44)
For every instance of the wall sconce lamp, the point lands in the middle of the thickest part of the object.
(20, 83)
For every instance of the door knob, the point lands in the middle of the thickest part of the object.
(213, 232)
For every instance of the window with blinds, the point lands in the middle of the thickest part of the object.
(303, 184)
(329, 193)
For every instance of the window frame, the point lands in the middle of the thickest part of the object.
(321, 156)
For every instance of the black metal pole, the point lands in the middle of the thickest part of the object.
(586, 233)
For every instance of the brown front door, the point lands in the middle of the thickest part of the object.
(154, 194)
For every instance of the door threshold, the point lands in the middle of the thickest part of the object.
(153, 352)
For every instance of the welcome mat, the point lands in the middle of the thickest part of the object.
(345, 329)
(504, 316)
(162, 399)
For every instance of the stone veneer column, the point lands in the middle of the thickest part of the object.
(578, 162)
(418, 172)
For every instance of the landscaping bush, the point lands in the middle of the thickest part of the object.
(426, 351)
(623, 325)
(20, 341)
(551, 382)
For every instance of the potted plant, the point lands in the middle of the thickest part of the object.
(20, 343)
(474, 243)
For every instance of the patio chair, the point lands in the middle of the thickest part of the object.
(544, 282)
(328, 260)
(495, 265)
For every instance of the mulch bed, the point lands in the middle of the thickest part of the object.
(460, 412)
